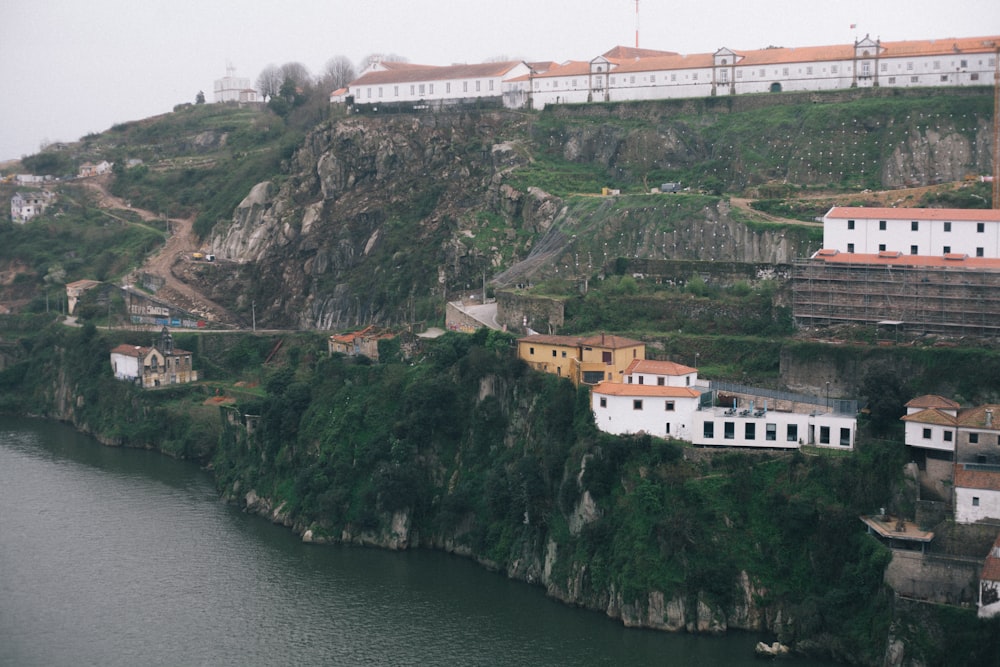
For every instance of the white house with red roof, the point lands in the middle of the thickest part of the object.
(936, 232)
(989, 583)
(155, 366)
(977, 493)
(667, 400)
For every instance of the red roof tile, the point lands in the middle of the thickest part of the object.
(618, 389)
(654, 367)
(987, 480)
(930, 416)
(880, 213)
(976, 417)
(932, 401)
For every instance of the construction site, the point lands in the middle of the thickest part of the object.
(913, 294)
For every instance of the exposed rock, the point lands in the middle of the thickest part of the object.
(773, 650)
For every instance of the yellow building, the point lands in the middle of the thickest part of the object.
(599, 358)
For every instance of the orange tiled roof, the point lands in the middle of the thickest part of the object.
(610, 340)
(139, 351)
(930, 416)
(976, 417)
(932, 401)
(894, 258)
(655, 367)
(619, 389)
(631, 53)
(544, 339)
(987, 480)
(879, 213)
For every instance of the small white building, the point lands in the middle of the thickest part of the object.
(754, 425)
(26, 205)
(232, 88)
(937, 232)
(88, 169)
(977, 493)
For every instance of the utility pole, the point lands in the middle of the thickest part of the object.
(637, 24)
(253, 314)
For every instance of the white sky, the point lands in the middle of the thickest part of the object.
(71, 67)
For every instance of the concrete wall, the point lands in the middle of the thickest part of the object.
(949, 580)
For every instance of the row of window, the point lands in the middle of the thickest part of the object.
(915, 226)
(915, 250)
(660, 381)
(428, 88)
(948, 435)
(771, 432)
(638, 403)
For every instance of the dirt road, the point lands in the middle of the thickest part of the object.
(181, 243)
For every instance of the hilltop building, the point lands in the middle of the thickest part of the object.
(358, 343)
(627, 74)
(232, 88)
(935, 232)
(584, 360)
(88, 169)
(27, 205)
(155, 366)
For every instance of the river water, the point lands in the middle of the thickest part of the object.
(124, 557)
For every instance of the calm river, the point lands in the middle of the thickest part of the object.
(122, 557)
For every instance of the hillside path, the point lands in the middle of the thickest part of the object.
(181, 243)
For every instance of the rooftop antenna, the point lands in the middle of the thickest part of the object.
(637, 24)
(230, 70)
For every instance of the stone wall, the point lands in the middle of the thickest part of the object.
(944, 579)
(516, 311)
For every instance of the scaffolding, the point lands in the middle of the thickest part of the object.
(941, 299)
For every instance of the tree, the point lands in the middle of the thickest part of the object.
(200, 97)
(269, 81)
(298, 74)
(339, 72)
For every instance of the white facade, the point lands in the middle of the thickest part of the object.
(402, 83)
(663, 411)
(756, 427)
(232, 88)
(928, 430)
(913, 231)
(972, 505)
(26, 205)
(124, 365)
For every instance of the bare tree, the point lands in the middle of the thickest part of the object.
(339, 72)
(298, 73)
(270, 80)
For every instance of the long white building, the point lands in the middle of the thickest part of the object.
(666, 400)
(625, 73)
(913, 231)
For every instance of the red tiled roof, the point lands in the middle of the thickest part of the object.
(986, 480)
(609, 340)
(654, 367)
(432, 73)
(131, 350)
(880, 213)
(543, 339)
(932, 401)
(899, 259)
(619, 389)
(631, 53)
(930, 416)
(991, 566)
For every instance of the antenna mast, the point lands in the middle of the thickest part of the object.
(637, 24)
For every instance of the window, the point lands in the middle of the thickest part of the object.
(395, 91)
(973, 438)
(593, 377)
(944, 77)
(380, 91)
(784, 71)
(637, 404)
(447, 87)
(927, 434)
(413, 89)
(604, 401)
(606, 358)
(946, 249)
(478, 84)
(673, 77)
(641, 379)
(833, 69)
(792, 434)
(974, 76)
(531, 350)
(845, 437)
(850, 224)
(980, 227)
(421, 89)
(883, 67)
(430, 88)
(730, 433)
(975, 501)
(750, 431)
(824, 435)
(667, 429)
(947, 436)
(809, 70)
(669, 406)
(909, 67)
(881, 247)
(914, 79)
(564, 354)
(771, 432)
(709, 429)
(553, 353)
(979, 252)
(913, 250)
(947, 226)
(937, 64)
(465, 86)
(694, 76)
(915, 226)
(892, 79)
(687, 380)
(881, 225)
(850, 247)
(661, 381)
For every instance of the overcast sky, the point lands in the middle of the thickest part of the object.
(71, 67)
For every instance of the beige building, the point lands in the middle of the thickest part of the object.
(155, 366)
(584, 360)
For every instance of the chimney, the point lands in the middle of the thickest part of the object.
(989, 418)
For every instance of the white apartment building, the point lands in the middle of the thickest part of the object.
(26, 205)
(405, 83)
(937, 232)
